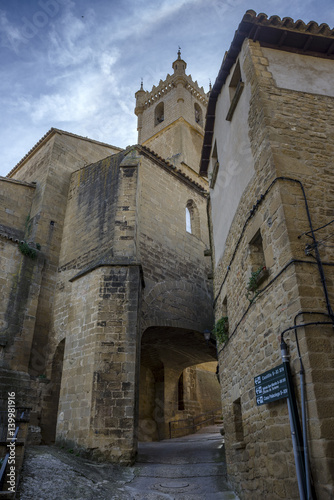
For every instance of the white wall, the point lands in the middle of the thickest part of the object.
(236, 166)
(300, 72)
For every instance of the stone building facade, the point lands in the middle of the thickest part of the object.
(104, 272)
(268, 153)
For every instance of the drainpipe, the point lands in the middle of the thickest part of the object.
(304, 423)
(297, 440)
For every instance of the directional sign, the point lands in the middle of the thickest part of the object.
(271, 385)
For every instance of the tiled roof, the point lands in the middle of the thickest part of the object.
(47, 136)
(285, 34)
(288, 23)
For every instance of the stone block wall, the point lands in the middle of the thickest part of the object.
(173, 260)
(32, 209)
(290, 137)
(97, 405)
(20, 274)
(96, 310)
(50, 165)
(179, 144)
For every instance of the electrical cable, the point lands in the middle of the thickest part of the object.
(318, 229)
(317, 257)
(259, 292)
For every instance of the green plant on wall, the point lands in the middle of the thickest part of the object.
(24, 247)
(26, 250)
(220, 330)
(253, 283)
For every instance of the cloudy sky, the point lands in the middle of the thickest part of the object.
(76, 64)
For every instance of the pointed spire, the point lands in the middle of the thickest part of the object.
(179, 65)
(210, 86)
(140, 96)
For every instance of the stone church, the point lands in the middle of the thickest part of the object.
(108, 255)
(106, 280)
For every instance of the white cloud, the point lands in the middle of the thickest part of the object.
(81, 69)
(76, 100)
(67, 46)
(107, 60)
(10, 35)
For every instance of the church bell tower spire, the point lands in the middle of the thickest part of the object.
(171, 117)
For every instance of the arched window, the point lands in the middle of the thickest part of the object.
(192, 219)
(159, 113)
(198, 114)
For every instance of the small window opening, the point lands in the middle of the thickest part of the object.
(237, 416)
(258, 272)
(180, 393)
(235, 80)
(198, 114)
(159, 113)
(256, 252)
(235, 89)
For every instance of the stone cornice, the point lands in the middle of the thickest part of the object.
(168, 84)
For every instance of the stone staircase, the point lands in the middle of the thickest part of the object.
(192, 424)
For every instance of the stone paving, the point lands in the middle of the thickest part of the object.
(187, 468)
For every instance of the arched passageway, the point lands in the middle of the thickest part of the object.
(177, 379)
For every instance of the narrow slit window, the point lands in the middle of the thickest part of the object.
(188, 220)
(180, 393)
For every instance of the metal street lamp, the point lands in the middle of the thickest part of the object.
(207, 335)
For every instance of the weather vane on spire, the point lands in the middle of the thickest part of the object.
(179, 53)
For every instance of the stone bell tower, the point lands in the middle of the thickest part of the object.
(171, 118)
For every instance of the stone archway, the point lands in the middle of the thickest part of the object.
(165, 353)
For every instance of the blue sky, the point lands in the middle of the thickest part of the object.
(76, 64)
